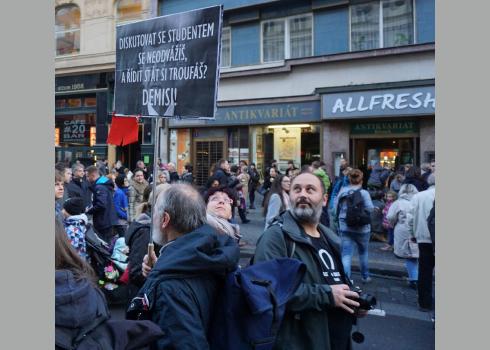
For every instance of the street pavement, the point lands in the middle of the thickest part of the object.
(403, 325)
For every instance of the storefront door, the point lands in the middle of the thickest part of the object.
(387, 151)
(207, 153)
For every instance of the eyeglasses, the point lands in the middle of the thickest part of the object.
(221, 199)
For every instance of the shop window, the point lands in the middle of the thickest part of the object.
(67, 29)
(146, 134)
(60, 103)
(75, 130)
(287, 38)
(90, 101)
(379, 24)
(226, 47)
(128, 10)
(238, 145)
(56, 137)
(74, 102)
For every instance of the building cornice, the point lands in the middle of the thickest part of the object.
(288, 65)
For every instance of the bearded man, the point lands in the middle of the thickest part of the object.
(321, 312)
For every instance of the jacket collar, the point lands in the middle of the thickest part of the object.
(292, 228)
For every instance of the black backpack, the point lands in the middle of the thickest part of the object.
(357, 214)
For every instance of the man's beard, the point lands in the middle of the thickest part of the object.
(158, 236)
(309, 215)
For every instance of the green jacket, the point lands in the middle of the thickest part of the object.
(305, 323)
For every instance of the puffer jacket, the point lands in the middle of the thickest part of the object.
(103, 211)
(305, 323)
(400, 217)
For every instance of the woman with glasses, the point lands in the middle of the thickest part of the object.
(219, 208)
(277, 200)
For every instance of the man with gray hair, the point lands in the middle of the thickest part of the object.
(173, 174)
(422, 203)
(321, 312)
(79, 186)
(182, 286)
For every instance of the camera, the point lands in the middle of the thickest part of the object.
(366, 301)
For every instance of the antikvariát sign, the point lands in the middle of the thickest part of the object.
(168, 66)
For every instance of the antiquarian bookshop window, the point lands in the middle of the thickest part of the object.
(67, 29)
(287, 38)
(226, 47)
(379, 24)
(128, 10)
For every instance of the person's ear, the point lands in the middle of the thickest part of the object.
(325, 199)
(164, 222)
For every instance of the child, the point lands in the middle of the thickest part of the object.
(389, 198)
(121, 205)
(75, 222)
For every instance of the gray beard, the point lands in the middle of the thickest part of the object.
(307, 215)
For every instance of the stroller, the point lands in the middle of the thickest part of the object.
(110, 266)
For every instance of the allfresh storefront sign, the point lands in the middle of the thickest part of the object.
(379, 103)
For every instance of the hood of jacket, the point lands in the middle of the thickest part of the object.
(142, 221)
(77, 220)
(292, 229)
(201, 251)
(78, 302)
(105, 181)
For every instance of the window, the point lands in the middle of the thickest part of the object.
(287, 38)
(128, 10)
(379, 24)
(237, 145)
(226, 47)
(67, 29)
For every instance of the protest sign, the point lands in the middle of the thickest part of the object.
(168, 66)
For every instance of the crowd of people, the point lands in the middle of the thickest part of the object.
(309, 215)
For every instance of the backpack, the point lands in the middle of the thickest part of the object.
(357, 214)
(252, 303)
(249, 306)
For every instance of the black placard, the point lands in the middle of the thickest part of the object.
(168, 66)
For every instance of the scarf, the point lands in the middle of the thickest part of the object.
(223, 226)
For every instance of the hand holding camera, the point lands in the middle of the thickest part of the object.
(344, 297)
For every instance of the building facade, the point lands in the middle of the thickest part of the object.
(84, 91)
(306, 80)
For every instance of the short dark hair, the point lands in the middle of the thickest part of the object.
(221, 162)
(120, 180)
(138, 170)
(188, 167)
(324, 189)
(61, 166)
(229, 192)
(92, 169)
(355, 177)
(315, 164)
